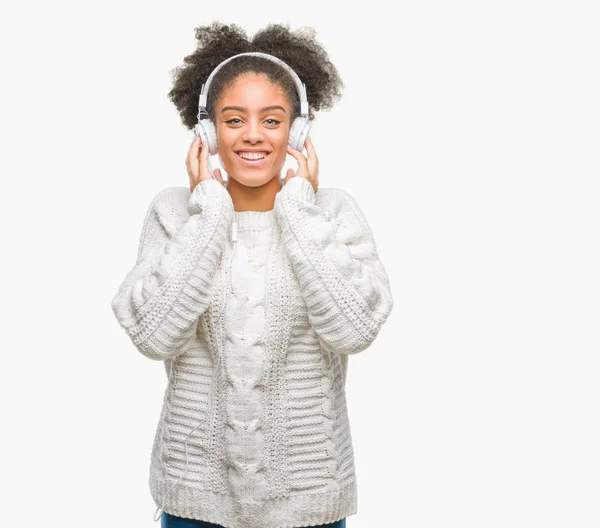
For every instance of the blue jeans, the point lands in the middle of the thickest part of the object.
(171, 521)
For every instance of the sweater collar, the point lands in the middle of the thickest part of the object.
(254, 219)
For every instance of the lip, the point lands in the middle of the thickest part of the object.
(253, 163)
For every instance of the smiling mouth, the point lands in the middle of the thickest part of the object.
(253, 162)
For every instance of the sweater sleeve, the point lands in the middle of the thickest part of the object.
(161, 298)
(332, 250)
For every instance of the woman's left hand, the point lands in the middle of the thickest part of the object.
(307, 168)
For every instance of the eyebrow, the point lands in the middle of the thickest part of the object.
(242, 109)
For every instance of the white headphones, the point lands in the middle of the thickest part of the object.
(206, 130)
(298, 131)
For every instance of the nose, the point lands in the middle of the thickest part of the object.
(253, 133)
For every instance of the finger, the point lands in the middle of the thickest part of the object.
(296, 153)
(193, 150)
(313, 160)
(292, 152)
(218, 176)
(192, 157)
(203, 160)
(196, 144)
(201, 148)
(310, 148)
(300, 158)
(289, 174)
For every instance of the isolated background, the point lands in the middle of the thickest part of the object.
(468, 132)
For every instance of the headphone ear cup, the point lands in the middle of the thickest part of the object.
(199, 131)
(298, 133)
(206, 130)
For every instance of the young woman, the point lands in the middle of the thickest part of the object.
(254, 292)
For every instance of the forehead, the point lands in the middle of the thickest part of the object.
(253, 91)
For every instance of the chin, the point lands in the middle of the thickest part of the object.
(250, 179)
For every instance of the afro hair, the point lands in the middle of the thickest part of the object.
(217, 41)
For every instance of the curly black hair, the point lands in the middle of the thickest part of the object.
(217, 41)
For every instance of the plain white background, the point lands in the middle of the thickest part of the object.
(468, 132)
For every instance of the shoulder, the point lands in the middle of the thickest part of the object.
(339, 203)
(345, 213)
(170, 208)
(171, 197)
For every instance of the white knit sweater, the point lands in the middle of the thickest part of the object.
(306, 290)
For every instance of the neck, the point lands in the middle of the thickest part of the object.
(260, 198)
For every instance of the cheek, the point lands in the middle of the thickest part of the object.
(225, 145)
(225, 138)
(282, 143)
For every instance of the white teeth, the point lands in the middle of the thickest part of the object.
(253, 155)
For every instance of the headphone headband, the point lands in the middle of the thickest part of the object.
(300, 87)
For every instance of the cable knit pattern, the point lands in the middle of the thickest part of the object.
(274, 450)
(344, 284)
(160, 300)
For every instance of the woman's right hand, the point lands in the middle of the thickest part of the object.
(197, 164)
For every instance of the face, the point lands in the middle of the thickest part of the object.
(252, 115)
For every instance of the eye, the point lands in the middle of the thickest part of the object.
(273, 121)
